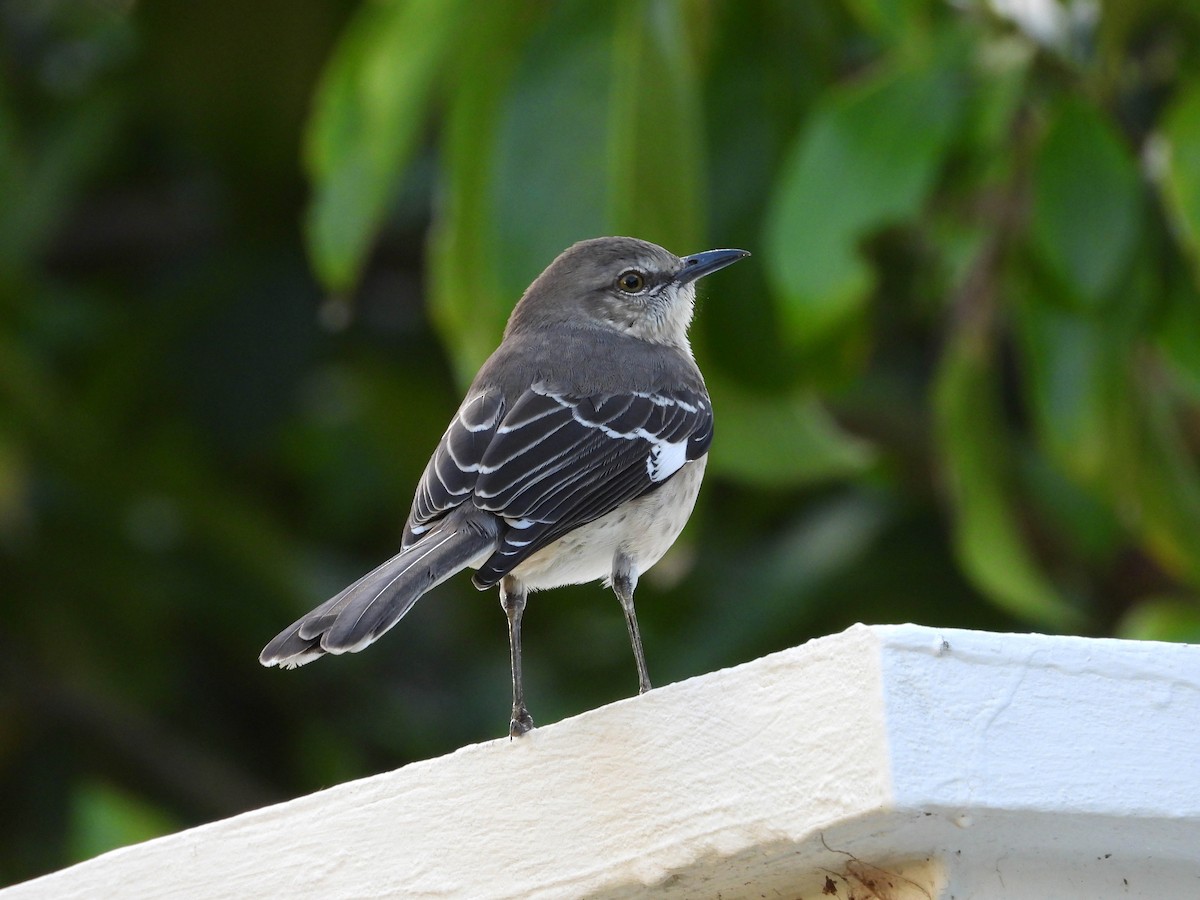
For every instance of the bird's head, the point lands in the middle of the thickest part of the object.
(622, 283)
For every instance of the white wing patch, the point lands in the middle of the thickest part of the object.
(665, 460)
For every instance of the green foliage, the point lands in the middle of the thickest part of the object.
(781, 442)
(367, 125)
(105, 817)
(1087, 236)
(1181, 178)
(867, 159)
(977, 458)
(957, 383)
(1168, 618)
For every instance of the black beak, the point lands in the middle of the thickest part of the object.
(700, 264)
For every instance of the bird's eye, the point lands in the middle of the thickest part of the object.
(631, 281)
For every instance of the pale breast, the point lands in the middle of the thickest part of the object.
(644, 529)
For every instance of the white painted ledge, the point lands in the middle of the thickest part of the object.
(893, 762)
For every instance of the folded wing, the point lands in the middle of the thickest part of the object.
(555, 461)
(558, 461)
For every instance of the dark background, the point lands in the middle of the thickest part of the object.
(250, 254)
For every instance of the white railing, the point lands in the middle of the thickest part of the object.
(888, 761)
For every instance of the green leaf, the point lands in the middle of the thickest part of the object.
(466, 297)
(1158, 483)
(780, 441)
(1074, 374)
(368, 118)
(1163, 619)
(40, 175)
(104, 818)
(987, 535)
(1086, 203)
(867, 158)
(551, 156)
(894, 19)
(1179, 334)
(1181, 177)
(1080, 520)
(1112, 425)
(655, 137)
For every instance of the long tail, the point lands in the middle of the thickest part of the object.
(377, 601)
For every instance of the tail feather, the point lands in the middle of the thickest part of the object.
(366, 609)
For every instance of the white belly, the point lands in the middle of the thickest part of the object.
(644, 529)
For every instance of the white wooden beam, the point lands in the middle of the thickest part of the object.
(887, 761)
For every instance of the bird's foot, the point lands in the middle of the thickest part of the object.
(521, 723)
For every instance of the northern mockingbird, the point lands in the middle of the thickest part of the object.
(576, 455)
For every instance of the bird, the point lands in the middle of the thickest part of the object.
(576, 455)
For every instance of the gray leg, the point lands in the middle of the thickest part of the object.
(512, 598)
(624, 580)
